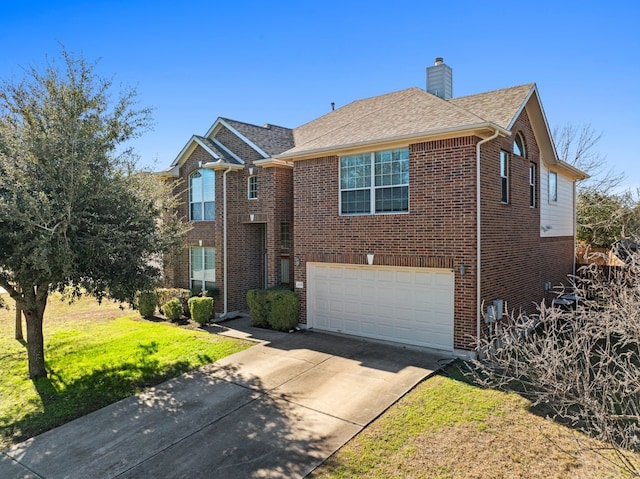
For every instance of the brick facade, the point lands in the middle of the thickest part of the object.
(440, 228)
(253, 246)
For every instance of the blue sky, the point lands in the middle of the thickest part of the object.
(285, 62)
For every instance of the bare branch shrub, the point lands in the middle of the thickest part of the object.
(581, 364)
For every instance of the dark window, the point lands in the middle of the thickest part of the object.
(504, 177)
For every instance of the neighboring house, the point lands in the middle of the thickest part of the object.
(409, 212)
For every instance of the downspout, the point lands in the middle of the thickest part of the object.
(224, 238)
(478, 227)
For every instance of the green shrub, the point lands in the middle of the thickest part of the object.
(201, 309)
(276, 308)
(147, 302)
(167, 294)
(258, 308)
(172, 309)
(284, 309)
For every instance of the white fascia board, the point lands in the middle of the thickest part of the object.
(182, 155)
(231, 153)
(206, 148)
(474, 129)
(222, 165)
(523, 106)
(171, 172)
(243, 138)
(271, 162)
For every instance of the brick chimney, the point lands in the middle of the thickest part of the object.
(440, 79)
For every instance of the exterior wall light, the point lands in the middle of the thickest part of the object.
(463, 270)
(369, 258)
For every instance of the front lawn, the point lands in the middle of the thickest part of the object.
(95, 355)
(448, 429)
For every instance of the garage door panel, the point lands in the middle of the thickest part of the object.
(411, 305)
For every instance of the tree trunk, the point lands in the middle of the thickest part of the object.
(35, 302)
(19, 334)
(35, 344)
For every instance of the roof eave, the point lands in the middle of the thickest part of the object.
(272, 162)
(222, 165)
(482, 130)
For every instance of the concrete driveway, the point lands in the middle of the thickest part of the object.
(275, 410)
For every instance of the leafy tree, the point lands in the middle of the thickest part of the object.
(74, 212)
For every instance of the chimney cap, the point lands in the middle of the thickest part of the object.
(438, 61)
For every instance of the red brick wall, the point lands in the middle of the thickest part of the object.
(438, 231)
(246, 247)
(440, 228)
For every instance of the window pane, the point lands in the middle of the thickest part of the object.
(355, 171)
(356, 201)
(209, 210)
(553, 186)
(196, 211)
(392, 167)
(196, 262)
(284, 270)
(518, 146)
(196, 284)
(208, 185)
(210, 264)
(392, 199)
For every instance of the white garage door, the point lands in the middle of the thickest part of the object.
(407, 305)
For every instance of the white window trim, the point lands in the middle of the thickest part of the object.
(372, 188)
(533, 185)
(255, 178)
(201, 200)
(203, 279)
(504, 154)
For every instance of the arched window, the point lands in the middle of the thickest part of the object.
(518, 146)
(202, 195)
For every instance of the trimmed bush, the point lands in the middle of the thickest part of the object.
(201, 309)
(285, 306)
(167, 294)
(276, 308)
(172, 309)
(147, 302)
(258, 309)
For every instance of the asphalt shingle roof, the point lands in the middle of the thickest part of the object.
(405, 113)
(272, 139)
(498, 106)
(218, 151)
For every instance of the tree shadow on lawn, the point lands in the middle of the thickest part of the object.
(64, 401)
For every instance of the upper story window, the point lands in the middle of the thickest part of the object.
(518, 146)
(202, 194)
(532, 185)
(504, 177)
(553, 186)
(376, 182)
(252, 187)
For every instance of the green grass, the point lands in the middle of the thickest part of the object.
(95, 355)
(448, 429)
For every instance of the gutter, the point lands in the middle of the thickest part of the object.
(478, 228)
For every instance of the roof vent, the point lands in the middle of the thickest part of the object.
(440, 79)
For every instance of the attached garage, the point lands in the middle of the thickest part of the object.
(406, 305)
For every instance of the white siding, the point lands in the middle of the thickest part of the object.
(557, 214)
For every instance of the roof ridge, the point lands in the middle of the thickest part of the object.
(369, 113)
(530, 85)
(266, 126)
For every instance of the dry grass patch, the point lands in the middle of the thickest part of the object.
(448, 429)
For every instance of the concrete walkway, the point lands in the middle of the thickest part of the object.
(276, 410)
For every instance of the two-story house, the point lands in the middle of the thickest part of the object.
(398, 217)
